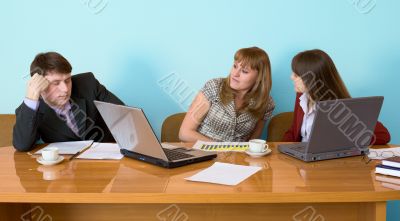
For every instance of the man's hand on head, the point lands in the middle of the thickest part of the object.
(36, 85)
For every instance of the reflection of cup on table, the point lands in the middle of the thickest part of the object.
(51, 173)
(257, 162)
(50, 154)
(258, 146)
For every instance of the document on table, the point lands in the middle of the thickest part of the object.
(383, 153)
(221, 146)
(224, 173)
(72, 147)
(102, 151)
(169, 146)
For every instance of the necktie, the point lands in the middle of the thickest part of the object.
(66, 117)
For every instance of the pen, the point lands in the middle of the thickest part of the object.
(79, 152)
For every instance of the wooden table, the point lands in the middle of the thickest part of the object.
(285, 189)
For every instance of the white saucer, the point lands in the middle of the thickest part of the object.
(252, 154)
(48, 163)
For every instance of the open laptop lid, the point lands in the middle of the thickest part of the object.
(344, 124)
(131, 129)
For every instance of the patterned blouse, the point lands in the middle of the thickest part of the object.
(222, 123)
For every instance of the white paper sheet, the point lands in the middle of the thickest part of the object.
(68, 147)
(169, 146)
(224, 173)
(102, 151)
(380, 154)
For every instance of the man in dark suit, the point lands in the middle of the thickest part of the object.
(59, 107)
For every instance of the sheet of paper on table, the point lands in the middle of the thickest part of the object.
(102, 151)
(224, 173)
(71, 147)
(221, 146)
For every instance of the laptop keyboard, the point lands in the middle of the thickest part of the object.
(300, 147)
(175, 155)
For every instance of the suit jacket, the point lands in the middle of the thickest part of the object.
(294, 133)
(44, 123)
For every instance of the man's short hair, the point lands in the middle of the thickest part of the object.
(50, 61)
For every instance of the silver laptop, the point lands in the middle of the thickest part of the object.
(135, 136)
(342, 128)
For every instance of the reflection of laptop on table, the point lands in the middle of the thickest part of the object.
(341, 128)
(134, 135)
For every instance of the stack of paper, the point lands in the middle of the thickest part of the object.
(102, 151)
(224, 173)
(169, 146)
(72, 147)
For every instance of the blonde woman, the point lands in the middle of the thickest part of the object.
(234, 108)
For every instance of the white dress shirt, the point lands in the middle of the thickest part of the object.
(308, 118)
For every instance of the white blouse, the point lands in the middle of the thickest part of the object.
(308, 118)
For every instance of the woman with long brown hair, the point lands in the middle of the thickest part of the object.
(234, 108)
(315, 79)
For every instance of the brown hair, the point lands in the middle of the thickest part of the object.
(319, 75)
(257, 59)
(50, 61)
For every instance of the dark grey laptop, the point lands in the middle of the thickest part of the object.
(342, 128)
(135, 136)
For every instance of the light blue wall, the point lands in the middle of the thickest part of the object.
(134, 47)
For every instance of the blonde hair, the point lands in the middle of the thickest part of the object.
(257, 59)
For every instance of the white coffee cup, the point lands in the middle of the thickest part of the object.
(50, 154)
(257, 146)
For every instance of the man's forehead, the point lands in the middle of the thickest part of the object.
(53, 76)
